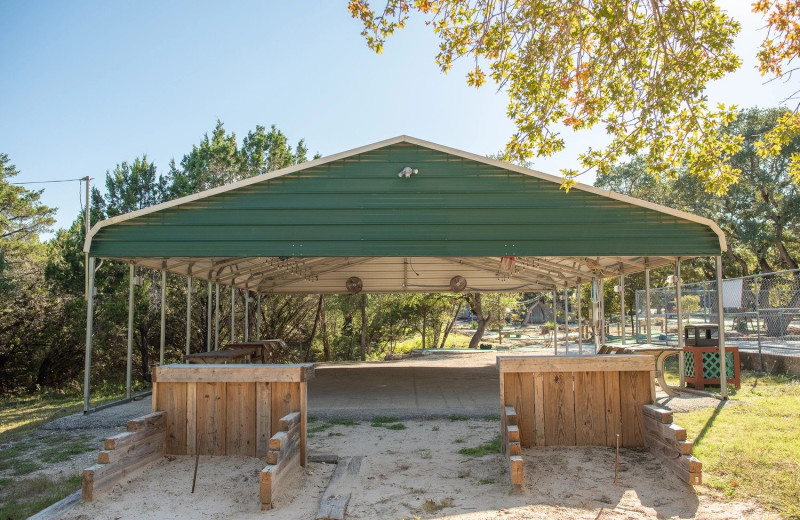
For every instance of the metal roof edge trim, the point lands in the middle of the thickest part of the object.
(419, 142)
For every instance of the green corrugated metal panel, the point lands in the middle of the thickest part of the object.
(359, 207)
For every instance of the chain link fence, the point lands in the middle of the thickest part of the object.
(762, 312)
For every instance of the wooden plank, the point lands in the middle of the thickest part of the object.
(289, 421)
(211, 418)
(263, 418)
(101, 477)
(634, 394)
(240, 425)
(662, 415)
(668, 432)
(538, 410)
(122, 440)
(512, 433)
(590, 420)
(559, 415)
(503, 423)
(303, 422)
(154, 394)
(191, 418)
(334, 500)
(172, 398)
(517, 471)
(519, 394)
(546, 364)
(285, 400)
(511, 416)
(152, 421)
(274, 478)
(146, 446)
(612, 407)
(679, 466)
(287, 447)
(234, 373)
(60, 508)
(670, 448)
(514, 448)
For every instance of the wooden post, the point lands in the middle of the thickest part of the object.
(208, 324)
(679, 319)
(216, 316)
(246, 315)
(723, 369)
(555, 322)
(129, 362)
(188, 314)
(580, 320)
(647, 303)
(622, 304)
(163, 317)
(87, 365)
(258, 317)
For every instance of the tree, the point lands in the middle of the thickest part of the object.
(776, 56)
(637, 69)
(22, 215)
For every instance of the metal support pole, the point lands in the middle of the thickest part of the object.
(87, 366)
(233, 313)
(555, 323)
(216, 316)
(602, 301)
(723, 370)
(566, 321)
(647, 321)
(580, 319)
(757, 292)
(246, 316)
(595, 316)
(188, 315)
(622, 304)
(208, 325)
(679, 319)
(128, 366)
(258, 317)
(163, 316)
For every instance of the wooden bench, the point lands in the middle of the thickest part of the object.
(238, 355)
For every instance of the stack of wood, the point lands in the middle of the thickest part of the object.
(513, 448)
(125, 453)
(283, 458)
(668, 442)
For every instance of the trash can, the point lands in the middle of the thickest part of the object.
(701, 361)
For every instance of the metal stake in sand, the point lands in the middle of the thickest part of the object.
(616, 465)
(197, 461)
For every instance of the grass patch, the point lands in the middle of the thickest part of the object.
(491, 418)
(319, 428)
(343, 422)
(484, 449)
(335, 434)
(387, 421)
(432, 506)
(454, 418)
(65, 451)
(31, 495)
(384, 419)
(750, 449)
(485, 481)
(21, 414)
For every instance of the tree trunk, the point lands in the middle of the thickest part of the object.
(363, 327)
(326, 346)
(475, 304)
(314, 329)
(451, 324)
(143, 352)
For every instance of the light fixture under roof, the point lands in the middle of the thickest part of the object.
(407, 172)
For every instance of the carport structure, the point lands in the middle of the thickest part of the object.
(401, 215)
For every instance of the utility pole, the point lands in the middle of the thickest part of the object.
(86, 235)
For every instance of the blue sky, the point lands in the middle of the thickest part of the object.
(86, 85)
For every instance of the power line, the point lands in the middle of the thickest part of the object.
(48, 182)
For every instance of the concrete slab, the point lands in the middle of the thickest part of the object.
(408, 389)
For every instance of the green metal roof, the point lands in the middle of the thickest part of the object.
(354, 204)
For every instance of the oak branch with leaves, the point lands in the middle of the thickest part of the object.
(637, 69)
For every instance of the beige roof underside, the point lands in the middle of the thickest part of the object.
(327, 275)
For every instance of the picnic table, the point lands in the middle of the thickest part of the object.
(268, 350)
(659, 352)
(238, 355)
